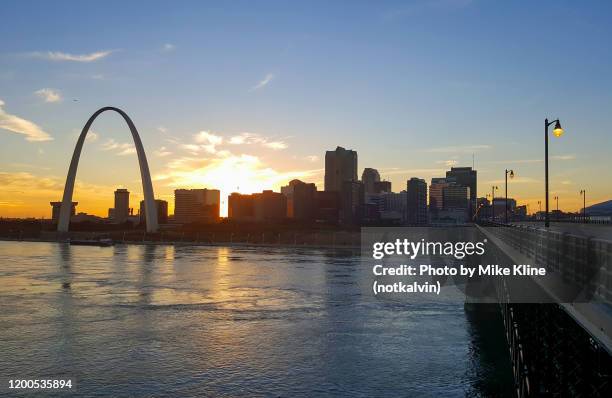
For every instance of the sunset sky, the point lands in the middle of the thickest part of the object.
(244, 96)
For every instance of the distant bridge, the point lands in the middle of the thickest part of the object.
(560, 349)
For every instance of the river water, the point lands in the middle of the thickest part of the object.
(134, 320)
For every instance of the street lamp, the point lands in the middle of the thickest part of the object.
(493, 188)
(556, 198)
(511, 172)
(583, 194)
(558, 132)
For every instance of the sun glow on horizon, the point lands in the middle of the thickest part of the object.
(244, 174)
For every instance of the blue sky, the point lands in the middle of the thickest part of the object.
(413, 86)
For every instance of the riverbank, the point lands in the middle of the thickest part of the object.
(211, 244)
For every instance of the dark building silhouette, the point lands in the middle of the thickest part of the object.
(269, 206)
(352, 201)
(340, 166)
(456, 196)
(382, 186)
(483, 209)
(122, 210)
(241, 207)
(55, 210)
(327, 206)
(465, 176)
(500, 207)
(161, 208)
(301, 203)
(436, 194)
(369, 177)
(416, 198)
(196, 205)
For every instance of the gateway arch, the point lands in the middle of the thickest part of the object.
(147, 186)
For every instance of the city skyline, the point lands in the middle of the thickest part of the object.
(241, 113)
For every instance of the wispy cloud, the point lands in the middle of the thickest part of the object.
(168, 47)
(312, 158)
(252, 138)
(563, 157)
(19, 125)
(516, 180)
(449, 162)
(61, 56)
(49, 95)
(528, 161)
(412, 172)
(162, 152)
(205, 141)
(120, 148)
(264, 82)
(92, 136)
(459, 149)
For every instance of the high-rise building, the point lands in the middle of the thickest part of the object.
(500, 207)
(300, 200)
(465, 176)
(161, 207)
(240, 207)
(436, 193)
(327, 206)
(340, 166)
(196, 205)
(391, 206)
(351, 202)
(456, 197)
(269, 206)
(55, 210)
(382, 186)
(121, 210)
(369, 177)
(416, 198)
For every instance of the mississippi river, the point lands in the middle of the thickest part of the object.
(193, 321)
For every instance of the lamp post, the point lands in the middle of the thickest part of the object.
(493, 188)
(558, 132)
(583, 194)
(506, 201)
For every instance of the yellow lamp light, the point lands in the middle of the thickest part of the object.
(558, 130)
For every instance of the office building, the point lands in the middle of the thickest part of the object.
(436, 194)
(241, 207)
(327, 204)
(382, 186)
(300, 200)
(269, 206)
(161, 208)
(499, 205)
(121, 211)
(56, 207)
(455, 197)
(391, 206)
(351, 202)
(369, 177)
(416, 201)
(465, 176)
(196, 205)
(340, 166)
